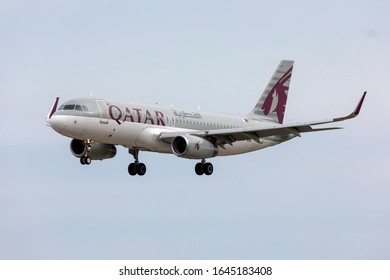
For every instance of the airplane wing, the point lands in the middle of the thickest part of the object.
(228, 136)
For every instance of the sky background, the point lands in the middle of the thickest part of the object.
(322, 196)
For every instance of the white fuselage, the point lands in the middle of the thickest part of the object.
(138, 126)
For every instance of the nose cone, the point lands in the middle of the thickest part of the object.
(57, 122)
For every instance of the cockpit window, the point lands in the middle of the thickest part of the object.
(69, 107)
(76, 107)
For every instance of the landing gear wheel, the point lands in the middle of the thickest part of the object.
(141, 169)
(85, 160)
(208, 168)
(136, 167)
(132, 169)
(199, 169)
(204, 168)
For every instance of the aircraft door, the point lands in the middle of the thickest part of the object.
(103, 111)
(173, 122)
(170, 120)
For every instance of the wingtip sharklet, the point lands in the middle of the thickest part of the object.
(355, 112)
(360, 104)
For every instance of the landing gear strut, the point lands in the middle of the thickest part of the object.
(136, 168)
(86, 159)
(204, 168)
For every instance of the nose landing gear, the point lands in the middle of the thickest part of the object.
(86, 159)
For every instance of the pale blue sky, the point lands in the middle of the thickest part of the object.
(322, 196)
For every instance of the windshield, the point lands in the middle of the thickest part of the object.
(77, 107)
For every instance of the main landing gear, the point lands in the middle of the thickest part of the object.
(86, 159)
(136, 168)
(204, 168)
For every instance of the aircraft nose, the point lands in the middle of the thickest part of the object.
(51, 121)
(56, 122)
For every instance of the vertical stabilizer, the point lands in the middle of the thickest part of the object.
(272, 102)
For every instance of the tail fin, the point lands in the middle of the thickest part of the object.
(272, 102)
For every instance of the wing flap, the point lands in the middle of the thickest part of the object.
(256, 133)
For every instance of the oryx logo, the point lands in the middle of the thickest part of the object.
(277, 97)
(197, 146)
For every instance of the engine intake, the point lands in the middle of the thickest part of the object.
(193, 147)
(99, 151)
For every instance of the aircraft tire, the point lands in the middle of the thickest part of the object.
(208, 168)
(199, 169)
(82, 161)
(87, 160)
(132, 169)
(141, 169)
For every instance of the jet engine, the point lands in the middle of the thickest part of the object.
(193, 147)
(98, 150)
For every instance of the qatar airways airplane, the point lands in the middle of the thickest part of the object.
(97, 125)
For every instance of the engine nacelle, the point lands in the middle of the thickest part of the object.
(193, 147)
(98, 151)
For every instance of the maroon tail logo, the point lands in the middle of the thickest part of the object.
(277, 97)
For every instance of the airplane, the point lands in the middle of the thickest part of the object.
(98, 125)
